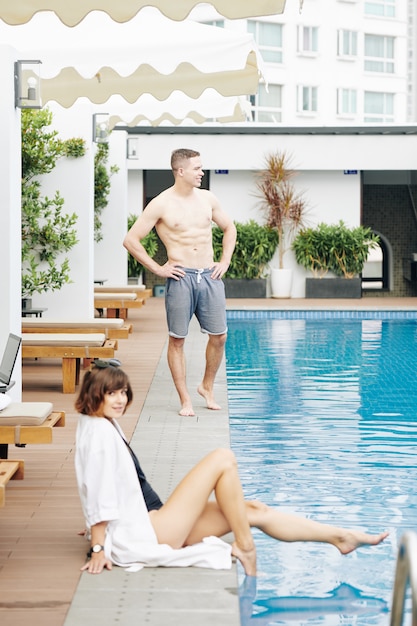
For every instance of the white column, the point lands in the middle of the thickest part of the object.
(110, 257)
(10, 211)
(74, 179)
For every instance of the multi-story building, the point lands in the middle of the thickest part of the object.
(334, 62)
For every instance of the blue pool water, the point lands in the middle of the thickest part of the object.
(323, 422)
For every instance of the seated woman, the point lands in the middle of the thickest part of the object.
(128, 525)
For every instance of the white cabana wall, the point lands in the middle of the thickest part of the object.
(74, 178)
(328, 170)
(134, 192)
(310, 151)
(110, 257)
(10, 207)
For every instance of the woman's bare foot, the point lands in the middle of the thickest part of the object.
(349, 540)
(246, 557)
(209, 398)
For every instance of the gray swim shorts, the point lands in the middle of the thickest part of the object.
(195, 294)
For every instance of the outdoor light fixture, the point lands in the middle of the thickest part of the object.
(101, 128)
(27, 92)
(132, 147)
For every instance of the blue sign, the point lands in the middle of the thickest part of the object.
(221, 171)
(350, 172)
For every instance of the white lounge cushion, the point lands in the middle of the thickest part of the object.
(97, 322)
(25, 413)
(110, 295)
(63, 339)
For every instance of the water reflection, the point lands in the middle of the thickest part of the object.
(323, 422)
(344, 600)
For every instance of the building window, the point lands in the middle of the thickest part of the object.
(218, 23)
(346, 101)
(379, 54)
(269, 39)
(267, 105)
(308, 37)
(379, 107)
(347, 43)
(306, 99)
(380, 8)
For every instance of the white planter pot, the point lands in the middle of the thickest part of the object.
(281, 282)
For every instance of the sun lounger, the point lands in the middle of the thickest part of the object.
(28, 422)
(139, 290)
(117, 304)
(71, 348)
(9, 470)
(22, 423)
(114, 328)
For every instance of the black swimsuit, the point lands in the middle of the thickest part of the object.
(152, 500)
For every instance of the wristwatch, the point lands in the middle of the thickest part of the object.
(96, 548)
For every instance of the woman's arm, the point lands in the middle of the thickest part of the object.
(97, 559)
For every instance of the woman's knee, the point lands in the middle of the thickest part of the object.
(256, 511)
(224, 458)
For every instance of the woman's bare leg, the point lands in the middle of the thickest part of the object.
(289, 527)
(285, 527)
(174, 522)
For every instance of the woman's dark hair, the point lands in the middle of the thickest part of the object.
(96, 383)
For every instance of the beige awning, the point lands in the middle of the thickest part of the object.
(178, 108)
(69, 85)
(149, 54)
(71, 12)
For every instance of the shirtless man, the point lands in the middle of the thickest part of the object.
(183, 216)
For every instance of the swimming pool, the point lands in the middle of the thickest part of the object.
(323, 422)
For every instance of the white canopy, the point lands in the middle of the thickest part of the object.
(148, 54)
(71, 12)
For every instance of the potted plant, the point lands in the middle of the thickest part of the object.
(255, 246)
(338, 249)
(150, 243)
(285, 210)
(47, 232)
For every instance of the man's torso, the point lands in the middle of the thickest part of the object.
(185, 228)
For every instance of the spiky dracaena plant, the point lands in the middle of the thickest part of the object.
(285, 208)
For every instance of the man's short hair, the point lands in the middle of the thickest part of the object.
(182, 154)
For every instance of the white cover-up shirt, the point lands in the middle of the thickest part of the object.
(110, 491)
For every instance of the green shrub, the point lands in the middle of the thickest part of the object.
(255, 247)
(47, 230)
(334, 247)
(150, 243)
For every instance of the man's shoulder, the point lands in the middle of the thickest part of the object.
(160, 201)
(206, 195)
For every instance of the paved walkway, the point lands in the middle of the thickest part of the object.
(40, 550)
(167, 445)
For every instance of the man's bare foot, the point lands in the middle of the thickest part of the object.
(352, 539)
(246, 557)
(209, 398)
(186, 411)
